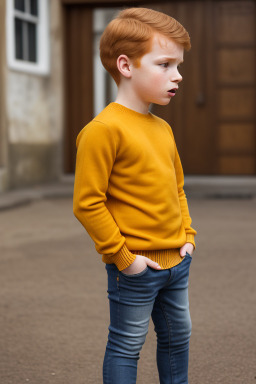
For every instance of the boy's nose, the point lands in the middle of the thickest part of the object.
(176, 77)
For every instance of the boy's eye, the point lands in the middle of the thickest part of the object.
(165, 65)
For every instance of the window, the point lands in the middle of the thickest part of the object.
(28, 35)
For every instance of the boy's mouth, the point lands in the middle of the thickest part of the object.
(172, 92)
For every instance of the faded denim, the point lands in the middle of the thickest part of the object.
(133, 299)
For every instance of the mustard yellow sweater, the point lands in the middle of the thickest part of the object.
(128, 191)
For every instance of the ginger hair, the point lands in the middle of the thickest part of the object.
(131, 34)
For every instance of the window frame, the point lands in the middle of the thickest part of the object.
(42, 65)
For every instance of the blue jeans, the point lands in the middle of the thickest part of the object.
(161, 294)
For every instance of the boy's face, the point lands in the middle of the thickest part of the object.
(156, 79)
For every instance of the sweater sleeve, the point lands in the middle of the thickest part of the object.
(96, 153)
(190, 232)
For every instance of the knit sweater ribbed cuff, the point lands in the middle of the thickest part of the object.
(191, 239)
(123, 258)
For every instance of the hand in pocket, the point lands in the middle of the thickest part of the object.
(139, 264)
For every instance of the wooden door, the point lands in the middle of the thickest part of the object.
(213, 113)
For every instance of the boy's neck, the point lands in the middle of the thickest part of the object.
(131, 102)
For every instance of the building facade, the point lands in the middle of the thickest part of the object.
(52, 83)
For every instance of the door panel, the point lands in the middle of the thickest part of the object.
(236, 66)
(236, 137)
(236, 103)
(233, 165)
(235, 22)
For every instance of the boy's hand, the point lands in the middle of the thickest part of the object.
(187, 247)
(139, 264)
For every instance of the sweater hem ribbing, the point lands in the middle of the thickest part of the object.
(166, 258)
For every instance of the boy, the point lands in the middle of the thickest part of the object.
(129, 196)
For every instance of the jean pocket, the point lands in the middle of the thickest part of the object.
(136, 274)
(188, 254)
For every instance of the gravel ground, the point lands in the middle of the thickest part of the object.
(54, 308)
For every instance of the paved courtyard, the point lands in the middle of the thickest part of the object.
(54, 308)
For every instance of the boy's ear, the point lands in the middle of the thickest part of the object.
(124, 65)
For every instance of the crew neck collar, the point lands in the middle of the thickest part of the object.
(130, 111)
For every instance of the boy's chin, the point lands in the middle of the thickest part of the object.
(163, 102)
